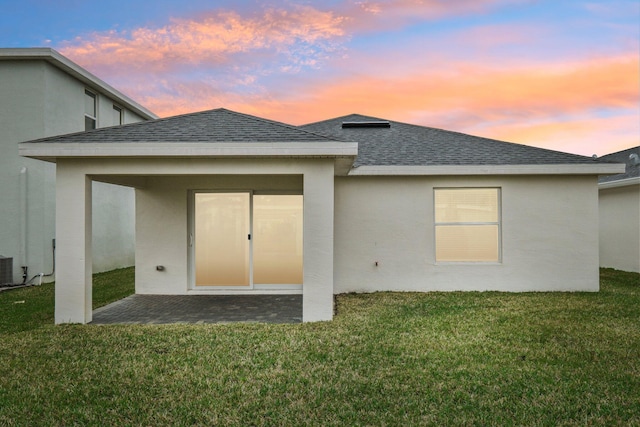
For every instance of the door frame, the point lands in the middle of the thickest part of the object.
(191, 260)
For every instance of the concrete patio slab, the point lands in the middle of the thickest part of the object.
(163, 309)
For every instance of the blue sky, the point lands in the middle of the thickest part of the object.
(560, 75)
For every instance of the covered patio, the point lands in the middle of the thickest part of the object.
(179, 167)
(200, 309)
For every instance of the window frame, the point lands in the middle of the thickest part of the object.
(497, 223)
(94, 118)
(120, 111)
(192, 286)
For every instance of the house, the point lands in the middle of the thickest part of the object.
(232, 203)
(42, 94)
(619, 205)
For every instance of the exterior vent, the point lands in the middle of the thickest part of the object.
(367, 124)
(6, 270)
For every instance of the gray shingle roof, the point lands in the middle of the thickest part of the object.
(404, 144)
(219, 125)
(632, 170)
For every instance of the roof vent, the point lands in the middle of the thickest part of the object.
(635, 159)
(367, 124)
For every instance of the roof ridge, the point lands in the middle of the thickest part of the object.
(275, 122)
(453, 132)
(410, 143)
(637, 148)
(341, 117)
(214, 125)
(500, 141)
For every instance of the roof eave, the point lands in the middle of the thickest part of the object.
(548, 169)
(58, 60)
(619, 183)
(344, 152)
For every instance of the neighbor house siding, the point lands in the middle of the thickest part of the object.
(548, 237)
(620, 227)
(38, 100)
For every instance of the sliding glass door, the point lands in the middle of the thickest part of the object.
(277, 247)
(222, 230)
(245, 240)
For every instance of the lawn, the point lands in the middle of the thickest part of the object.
(387, 359)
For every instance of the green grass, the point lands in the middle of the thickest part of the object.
(387, 359)
(29, 308)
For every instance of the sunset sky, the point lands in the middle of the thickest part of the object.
(563, 75)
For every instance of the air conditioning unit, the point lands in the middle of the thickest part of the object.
(6, 270)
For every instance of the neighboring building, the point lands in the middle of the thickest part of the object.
(231, 203)
(42, 94)
(620, 213)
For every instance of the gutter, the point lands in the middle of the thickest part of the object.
(619, 183)
(461, 170)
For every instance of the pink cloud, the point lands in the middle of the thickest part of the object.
(302, 33)
(378, 14)
(551, 106)
(584, 135)
(530, 90)
(210, 39)
(237, 61)
(460, 96)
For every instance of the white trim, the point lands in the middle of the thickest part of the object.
(91, 93)
(231, 289)
(52, 150)
(73, 69)
(497, 223)
(458, 170)
(191, 220)
(619, 183)
(120, 110)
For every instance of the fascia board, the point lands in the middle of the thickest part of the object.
(561, 169)
(50, 151)
(73, 69)
(619, 183)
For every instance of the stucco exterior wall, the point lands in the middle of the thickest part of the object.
(162, 220)
(549, 235)
(39, 100)
(26, 185)
(162, 224)
(620, 228)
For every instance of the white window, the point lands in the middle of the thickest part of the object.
(467, 224)
(117, 115)
(90, 117)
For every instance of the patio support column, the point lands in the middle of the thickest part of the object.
(73, 289)
(317, 288)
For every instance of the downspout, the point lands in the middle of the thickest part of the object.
(24, 232)
(53, 268)
(23, 222)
